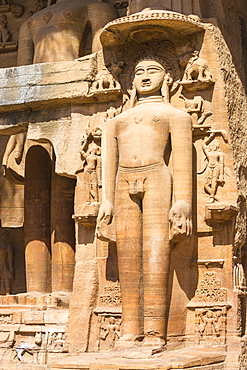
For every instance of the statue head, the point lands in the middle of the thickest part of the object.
(152, 77)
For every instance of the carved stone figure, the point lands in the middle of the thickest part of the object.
(111, 332)
(196, 68)
(137, 188)
(4, 32)
(15, 145)
(214, 174)
(197, 75)
(104, 80)
(42, 35)
(41, 4)
(89, 176)
(195, 107)
(6, 263)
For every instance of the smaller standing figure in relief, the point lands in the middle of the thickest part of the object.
(91, 160)
(214, 175)
(4, 32)
(209, 324)
(6, 263)
(112, 332)
(89, 175)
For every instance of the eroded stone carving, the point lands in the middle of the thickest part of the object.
(104, 81)
(6, 263)
(214, 173)
(31, 348)
(210, 289)
(41, 4)
(110, 331)
(57, 342)
(42, 35)
(134, 151)
(211, 324)
(197, 75)
(4, 32)
(111, 296)
(195, 107)
(89, 175)
(239, 279)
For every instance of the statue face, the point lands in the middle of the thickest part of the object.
(149, 77)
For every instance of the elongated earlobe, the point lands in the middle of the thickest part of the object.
(165, 89)
(133, 97)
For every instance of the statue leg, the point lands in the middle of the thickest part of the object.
(129, 235)
(156, 251)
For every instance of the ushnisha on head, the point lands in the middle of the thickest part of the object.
(152, 77)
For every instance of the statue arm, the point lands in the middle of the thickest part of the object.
(26, 47)
(181, 212)
(109, 170)
(181, 138)
(100, 15)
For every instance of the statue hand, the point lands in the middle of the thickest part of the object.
(105, 213)
(180, 221)
(103, 231)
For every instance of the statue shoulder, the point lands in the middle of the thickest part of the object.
(179, 114)
(106, 9)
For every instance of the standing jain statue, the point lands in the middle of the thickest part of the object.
(64, 31)
(139, 190)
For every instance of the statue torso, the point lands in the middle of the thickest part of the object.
(142, 134)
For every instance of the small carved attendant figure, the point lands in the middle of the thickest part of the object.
(138, 188)
(112, 332)
(91, 167)
(89, 175)
(6, 263)
(214, 175)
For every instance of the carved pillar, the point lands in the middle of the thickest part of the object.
(63, 233)
(37, 196)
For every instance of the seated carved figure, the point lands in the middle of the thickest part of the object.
(61, 31)
(138, 189)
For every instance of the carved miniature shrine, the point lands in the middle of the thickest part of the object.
(123, 184)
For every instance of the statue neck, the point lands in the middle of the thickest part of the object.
(149, 99)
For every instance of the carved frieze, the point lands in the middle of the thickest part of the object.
(210, 290)
(111, 296)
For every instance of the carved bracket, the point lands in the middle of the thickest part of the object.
(219, 213)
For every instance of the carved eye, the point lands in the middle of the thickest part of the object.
(139, 72)
(154, 70)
